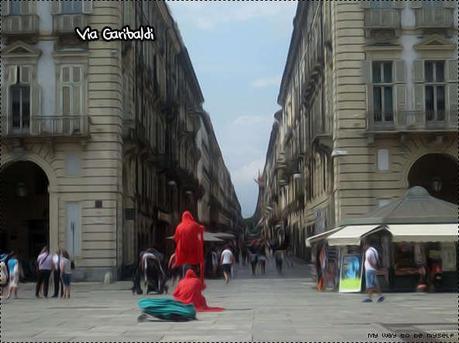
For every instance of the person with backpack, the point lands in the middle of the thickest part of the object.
(45, 266)
(371, 267)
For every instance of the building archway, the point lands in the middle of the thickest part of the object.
(437, 173)
(25, 211)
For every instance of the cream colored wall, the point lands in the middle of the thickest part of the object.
(358, 183)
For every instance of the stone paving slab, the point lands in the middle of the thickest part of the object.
(263, 308)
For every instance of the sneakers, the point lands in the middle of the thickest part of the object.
(367, 300)
(381, 299)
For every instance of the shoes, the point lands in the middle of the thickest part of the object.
(367, 300)
(54, 296)
(381, 299)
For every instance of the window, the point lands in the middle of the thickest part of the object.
(71, 6)
(383, 159)
(435, 90)
(20, 94)
(383, 92)
(71, 90)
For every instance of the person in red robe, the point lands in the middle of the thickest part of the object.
(189, 291)
(189, 239)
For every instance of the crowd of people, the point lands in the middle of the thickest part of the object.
(57, 266)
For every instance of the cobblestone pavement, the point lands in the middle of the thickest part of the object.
(262, 308)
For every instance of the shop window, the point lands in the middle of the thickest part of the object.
(404, 258)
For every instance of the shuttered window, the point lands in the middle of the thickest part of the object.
(71, 89)
(20, 96)
(434, 73)
(71, 6)
(383, 98)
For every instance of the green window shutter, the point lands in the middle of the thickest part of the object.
(367, 78)
(451, 70)
(418, 71)
(12, 74)
(87, 6)
(452, 101)
(26, 74)
(35, 99)
(419, 102)
(399, 71)
(400, 97)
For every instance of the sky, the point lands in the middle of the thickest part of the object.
(238, 50)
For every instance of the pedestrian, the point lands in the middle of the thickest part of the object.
(4, 277)
(57, 274)
(253, 256)
(45, 266)
(66, 272)
(371, 267)
(261, 255)
(14, 274)
(227, 260)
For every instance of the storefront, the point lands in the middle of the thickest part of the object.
(416, 252)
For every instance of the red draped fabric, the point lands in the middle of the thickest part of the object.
(189, 291)
(189, 239)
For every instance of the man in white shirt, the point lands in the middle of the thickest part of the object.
(57, 274)
(227, 259)
(371, 267)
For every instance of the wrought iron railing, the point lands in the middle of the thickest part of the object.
(20, 24)
(415, 121)
(46, 126)
(382, 18)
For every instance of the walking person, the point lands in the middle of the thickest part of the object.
(14, 274)
(45, 266)
(4, 275)
(57, 274)
(262, 257)
(227, 260)
(371, 267)
(66, 273)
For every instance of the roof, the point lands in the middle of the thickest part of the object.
(416, 206)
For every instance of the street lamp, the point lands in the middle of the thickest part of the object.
(21, 190)
(436, 184)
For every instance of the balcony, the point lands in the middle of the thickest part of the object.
(434, 17)
(414, 121)
(66, 23)
(20, 25)
(382, 18)
(74, 126)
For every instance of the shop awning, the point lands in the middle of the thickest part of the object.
(424, 232)
(350, 235)
(321, 236)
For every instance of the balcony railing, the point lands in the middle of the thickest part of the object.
(412, 121)
(382, 18)
(20, 25)
(66, 23)
(47, 126)
(434, 17)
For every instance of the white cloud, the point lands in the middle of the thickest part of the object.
(266, 82)
(247, 173)
(252, 120)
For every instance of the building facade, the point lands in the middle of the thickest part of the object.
(100, 144)
(369, 109)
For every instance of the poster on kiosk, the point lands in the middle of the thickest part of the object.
(350, 274)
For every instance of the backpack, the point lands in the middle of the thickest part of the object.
(3, 274)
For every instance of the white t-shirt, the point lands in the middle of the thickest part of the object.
(227, 256)
(371, 255)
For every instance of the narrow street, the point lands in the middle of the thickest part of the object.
(261, 308)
